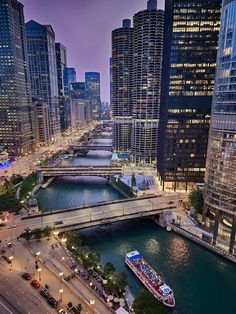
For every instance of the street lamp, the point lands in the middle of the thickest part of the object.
(64, 240)
(91, 303)
(61, 292)
(56, 233)
(63, 258)
(11, 259)
(61, 275)
(39, 272)
(37, 254)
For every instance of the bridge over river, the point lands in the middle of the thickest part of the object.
(58, 171)
(102, 213)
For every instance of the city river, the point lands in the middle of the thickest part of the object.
(203, 283)
(69, 192)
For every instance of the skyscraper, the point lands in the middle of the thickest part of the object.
(64, 105)
(92, 85)
(220, 180)
(121, 78)
(69, 77)
(146, 82)
(43, 70)
(16, 133)
(189, 56)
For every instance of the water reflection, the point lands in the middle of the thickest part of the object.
(152, 246)
(178, 251)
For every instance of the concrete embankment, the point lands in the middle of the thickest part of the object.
(203, 243)
(49, 181)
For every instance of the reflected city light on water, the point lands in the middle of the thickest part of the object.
(152, 246)
(178, 251)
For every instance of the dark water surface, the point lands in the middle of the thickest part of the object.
(203, 283)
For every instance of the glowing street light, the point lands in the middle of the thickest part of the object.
(61, 292)
(56, 233)
(61, 275)
(64, 240)
(91, 303)
(39, 272)
(11, 259)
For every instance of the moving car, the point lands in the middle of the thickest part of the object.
(26, 276)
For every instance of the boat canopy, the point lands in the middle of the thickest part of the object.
(165, 289)
(133, 255)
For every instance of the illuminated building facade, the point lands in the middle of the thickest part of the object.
(92, 85)
(146, 82)
(43, 70)
(220, 180)
(121, 71)
(189, 57)
(16, 133)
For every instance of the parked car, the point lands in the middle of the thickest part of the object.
(45, 293)
(170, 202)
(62, 311)
(26, 276)
(59, 222)
(35, 284)
(52, 302)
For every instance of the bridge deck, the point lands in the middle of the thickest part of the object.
(104, 213)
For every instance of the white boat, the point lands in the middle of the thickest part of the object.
(151, 280)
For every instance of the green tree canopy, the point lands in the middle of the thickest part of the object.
(146, 303)
(108, 269)
(196, 199)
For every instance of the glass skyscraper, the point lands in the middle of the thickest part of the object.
(121, 71)
(16, 133)
(43, 70)
(220, 180)
(92, 85)
(69, 77)
(189, 58)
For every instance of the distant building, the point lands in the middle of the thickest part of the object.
(92, 86)
(16, 133)
(220, 180)
(121, 78)
(69, 77)
(42, 122)
(81, 106)
(63, 99)
(43, 70)
(188, 72)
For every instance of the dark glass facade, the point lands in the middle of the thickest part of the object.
(92, 85)
(43, 70)
(16, 133)
(220, 180)
(64, 106)
(189, 57)
(69, 77)
(122, 53)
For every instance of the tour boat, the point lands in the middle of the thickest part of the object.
(151, 280)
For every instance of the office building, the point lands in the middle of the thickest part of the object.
(42, 123)
(16, 133)
(43, 70)
(121, 78)
(220, 180)
(189, 57)
(69, 77)
(146, 82)
(61, 58)
(92, 85)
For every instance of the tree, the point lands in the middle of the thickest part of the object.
(146, 303)
(78, 309)
(133, 180)
(47, 231)
(38, 234)
(108, 269)
(196, 199)
(27, 235)
(120, 279)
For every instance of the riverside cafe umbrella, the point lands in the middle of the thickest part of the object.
(110, 298)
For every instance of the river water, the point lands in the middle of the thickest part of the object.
(203, 283)
(67, 192)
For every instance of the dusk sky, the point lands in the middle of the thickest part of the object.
(84, 27)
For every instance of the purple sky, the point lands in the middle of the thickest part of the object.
(84, 27)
